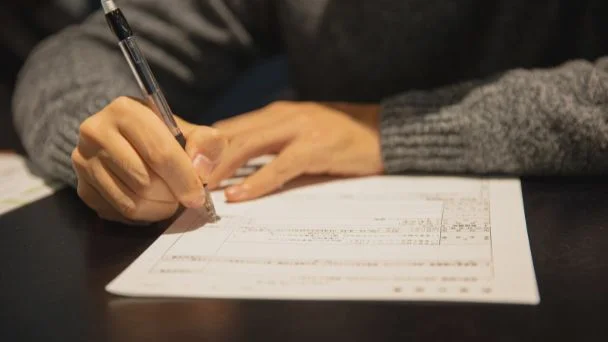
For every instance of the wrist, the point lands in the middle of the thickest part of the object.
(365, 113)
(419, 137)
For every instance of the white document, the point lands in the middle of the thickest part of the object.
(19, 185)
(376, 238)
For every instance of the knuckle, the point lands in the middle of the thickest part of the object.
(121, 103)
(209, 136)
(219, 124)
(217, 135)
(89, 128)
(76, 159)
(120, 106)
(159, 156)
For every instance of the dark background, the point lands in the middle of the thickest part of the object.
(52, 276)
(25, 23)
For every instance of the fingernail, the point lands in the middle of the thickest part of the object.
(203, 165)
(237, 192)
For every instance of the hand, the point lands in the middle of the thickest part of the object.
(309, 138)
(131, 169)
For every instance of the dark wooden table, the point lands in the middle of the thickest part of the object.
(56, 257)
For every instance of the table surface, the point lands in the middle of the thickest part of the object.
(56, 257)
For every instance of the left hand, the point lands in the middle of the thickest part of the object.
(338, 139)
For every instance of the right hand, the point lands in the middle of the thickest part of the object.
(131, 169)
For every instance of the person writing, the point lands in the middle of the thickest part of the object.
(481, 87)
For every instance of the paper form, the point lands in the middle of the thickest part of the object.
(19, 185)
(375, 238)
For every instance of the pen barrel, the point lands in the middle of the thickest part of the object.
(158, 104)
(181, 140)
(147, 83)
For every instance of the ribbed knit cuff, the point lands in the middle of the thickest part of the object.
(64, 136)
(416, 135)
(62, 143)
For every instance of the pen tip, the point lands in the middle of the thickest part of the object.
(213, 216)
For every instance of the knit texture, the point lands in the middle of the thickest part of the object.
(480, 86)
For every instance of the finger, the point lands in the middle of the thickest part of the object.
(240, 150)
(290, 163)
(121, 158)
(108, 187)
(126, 202)
(163, 154)
(104, 210)
(118, 155)
(205, 145)
(121, 198)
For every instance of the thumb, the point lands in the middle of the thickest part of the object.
(204, 146)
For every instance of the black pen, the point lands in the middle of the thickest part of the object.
(145, 79)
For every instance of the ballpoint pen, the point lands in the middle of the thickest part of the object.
(146, 80)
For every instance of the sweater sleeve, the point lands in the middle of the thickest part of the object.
(194, 48)
(523, 122)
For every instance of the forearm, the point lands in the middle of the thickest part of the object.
(66, 79)
(81, 70)
(526, 122)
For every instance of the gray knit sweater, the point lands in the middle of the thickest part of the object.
(480, 86)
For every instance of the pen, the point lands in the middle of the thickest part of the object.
(146, 80)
